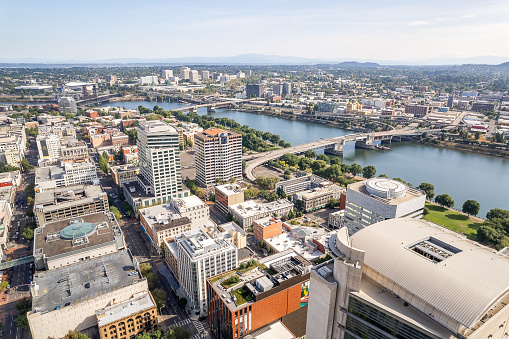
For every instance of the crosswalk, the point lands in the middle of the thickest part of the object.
(181, 323)
(199, 326)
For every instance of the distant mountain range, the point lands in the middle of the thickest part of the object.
(256, 59)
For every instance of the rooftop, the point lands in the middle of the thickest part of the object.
(251, 207)
(256, 278)
(388, 191)
(188, 203)
(68, 235)
(82, 281)
(61, 197)
(157, 126)
(163, 217)
(228, 189)
(199, 243)
(457, 276)
(137, 303)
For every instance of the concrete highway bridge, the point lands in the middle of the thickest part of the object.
(213, 105)
(334, 145)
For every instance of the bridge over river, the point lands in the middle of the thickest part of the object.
(335, 144)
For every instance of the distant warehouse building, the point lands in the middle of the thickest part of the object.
(377, 199)
(418, 110)
(483, 106)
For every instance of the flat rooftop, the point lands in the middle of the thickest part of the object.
(411, 193)
(198, 243)
(251, 207)
(274, 330)
(138, 303)
(305, 247)
(62, 196)
(228, 189)
(82, 281)
(51, 239)
(268, 273)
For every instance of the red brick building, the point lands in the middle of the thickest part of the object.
(92, 114)
(275, 289)
(267, 228)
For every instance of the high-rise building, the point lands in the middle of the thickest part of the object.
(450, 101)
(201, 256)
(218, 156)
(159, 180)
(254, 91)
(49, 147)
(184, 73)
(205, 75)
(408, 278)
(377, 199)
(277, 89)
(287, 88)
(67, 105)
(167, 74)
(193, 75)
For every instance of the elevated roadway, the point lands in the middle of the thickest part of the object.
(259, 159)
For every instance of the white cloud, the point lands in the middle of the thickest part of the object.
(418, 23)
(468, 16)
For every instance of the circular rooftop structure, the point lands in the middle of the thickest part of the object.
(77, 230)
(386, 188)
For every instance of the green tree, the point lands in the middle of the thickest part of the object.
(251, 192)
(287, 174)
(369, 171)
(497, 213)
(76, 335)
(25, 165)
(182, 302)
(355, 169)
(159, 297)
(311, 154)
(103, 162)
(429, 189)
(3, 285)
(318, 165)
(116, 212)
(28, 233)
(444, 200)
(145, 268)
(323, 157)
(471, 207)
(178, 333)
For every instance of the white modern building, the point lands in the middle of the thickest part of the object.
(247, 212)
(184, 73)
(159, 180)
(201, 256)
(193, 75)
(49, 147)
(12, 144)
(167, 74)
(191, 207)
(377, 199)
(67, 105)
(408, 278)
(66, 174)
(218, 156)
(149, 80)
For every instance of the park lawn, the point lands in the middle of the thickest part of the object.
(452, 220)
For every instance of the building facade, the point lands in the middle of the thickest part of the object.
(418, 110)
(247, 212)
(218, 156)
(228, 195)
(254, 91)
(201, 256)
(124, 173)
(267, 228)
(408, 278)
(378, 199)
(49, 147)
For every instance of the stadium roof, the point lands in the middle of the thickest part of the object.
(457, 276)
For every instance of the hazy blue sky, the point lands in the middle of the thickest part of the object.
(385, 29)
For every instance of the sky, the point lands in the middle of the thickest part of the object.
(344, 30)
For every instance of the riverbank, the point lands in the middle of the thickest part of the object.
(468, 148)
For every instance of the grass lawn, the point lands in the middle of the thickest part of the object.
(242, 295)
(452, 220)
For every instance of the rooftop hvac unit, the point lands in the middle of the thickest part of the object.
(324, 271)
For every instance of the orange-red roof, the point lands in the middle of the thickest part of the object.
(213, 131)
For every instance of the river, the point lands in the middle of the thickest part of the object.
(462, 175)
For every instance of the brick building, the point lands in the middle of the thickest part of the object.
(260, 297)
(267, 228)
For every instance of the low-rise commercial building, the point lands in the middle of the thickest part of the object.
(127, 319)
(228, 195)
(69, 202)
(408, 278)
(67, 174)
(191, 207)
(74, 150)
(247, 212)
(67, 298)
(67, 241)
(274, 288)
(49, 147)
(64, 129)
(418, 110)
(319, 197)
(267, 228)
(124, 173)
(336, 219)
(289, 187)
(162, 222)
(377, 199)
